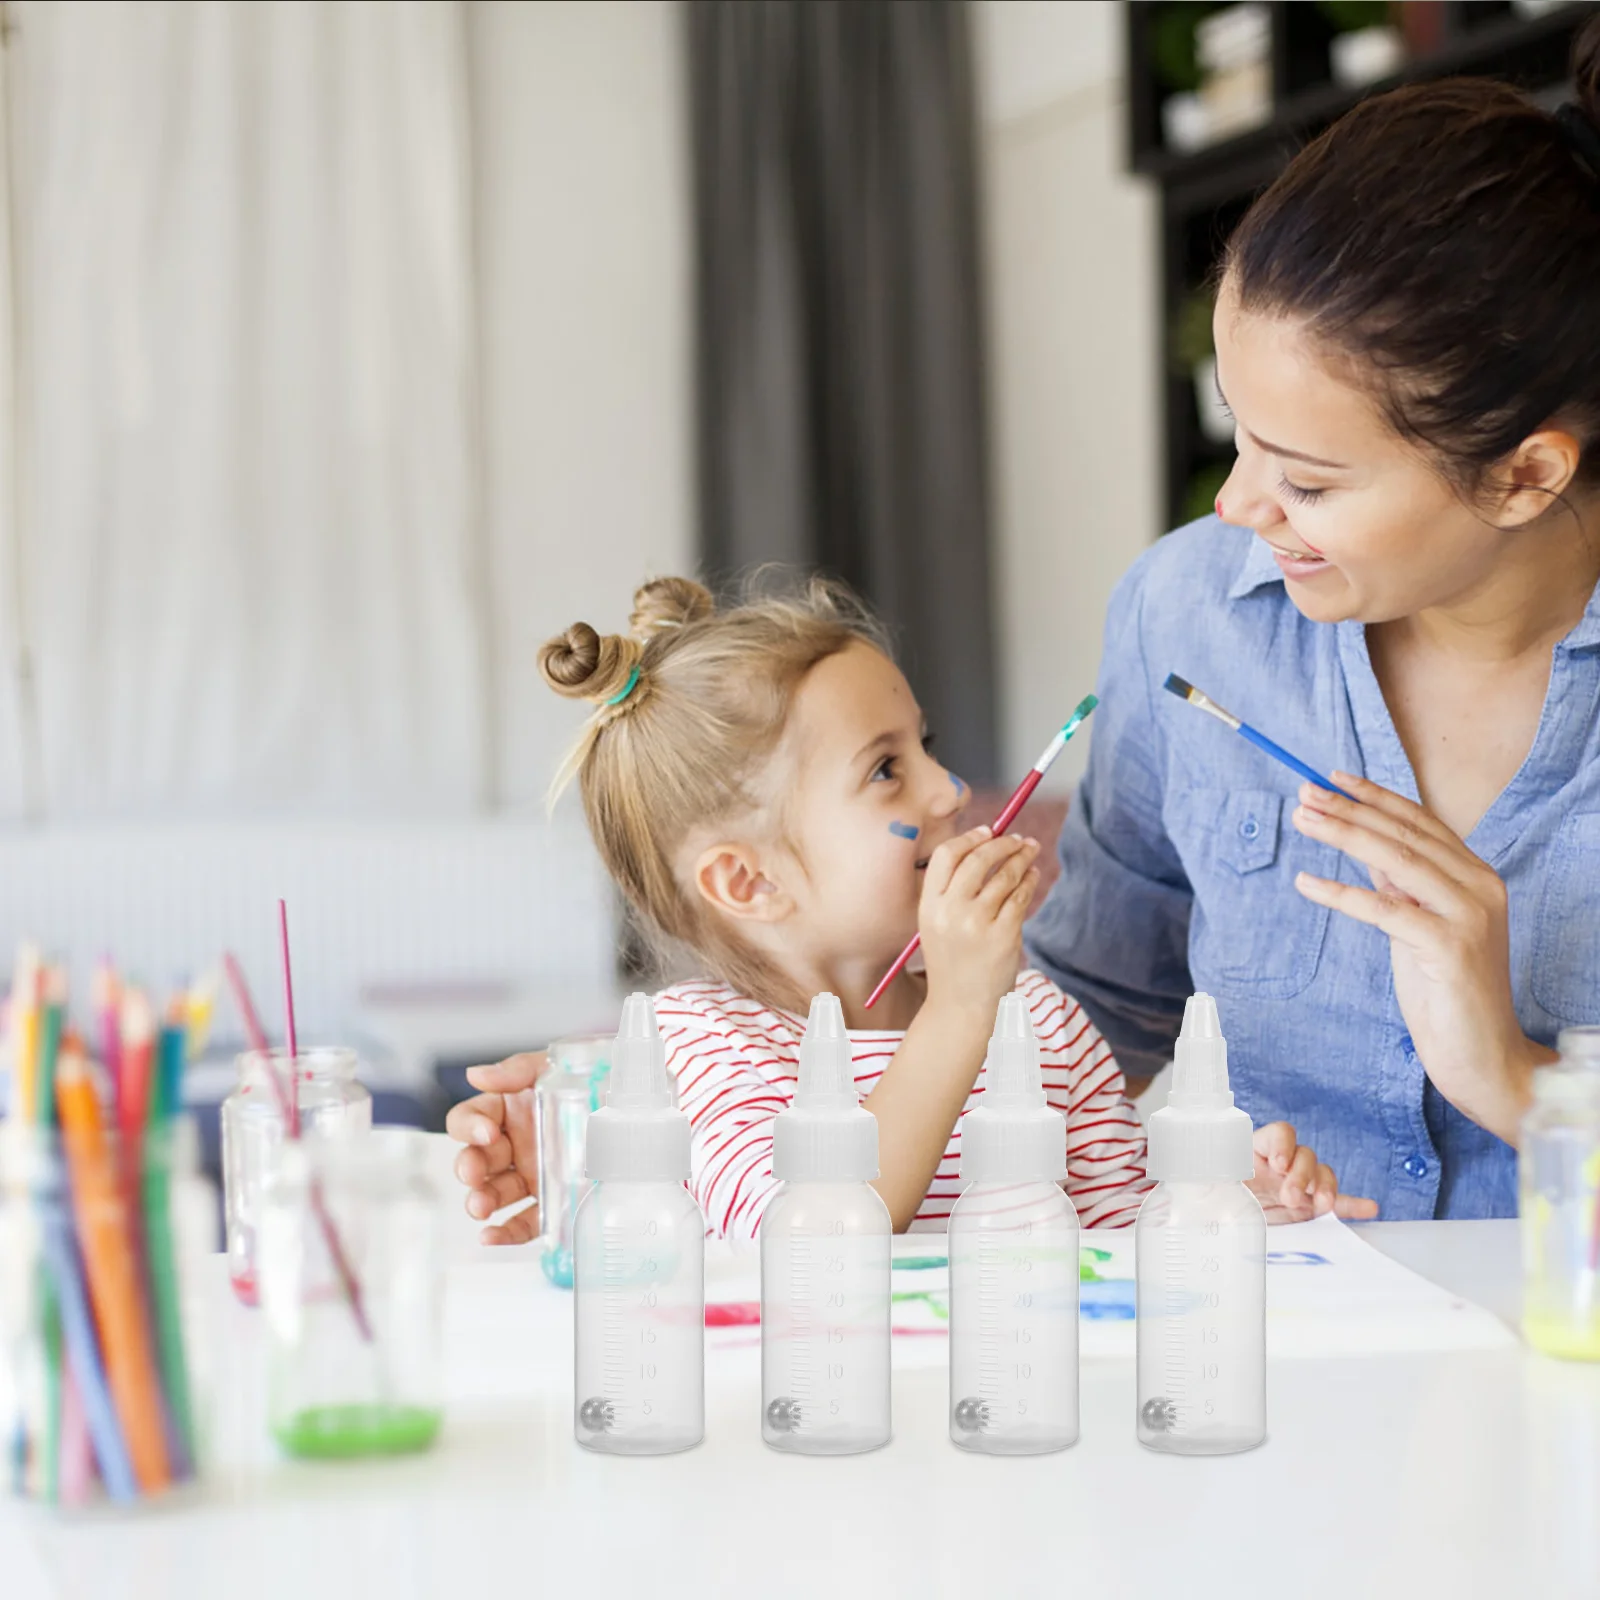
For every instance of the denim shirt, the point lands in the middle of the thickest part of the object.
(1179, 855)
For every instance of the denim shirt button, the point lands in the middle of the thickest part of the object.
(1416, 1167)
(1407, 1047)
(1249, 828)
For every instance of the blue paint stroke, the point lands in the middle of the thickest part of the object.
(1297, 1258)
(904, 830)
(1109, 1300)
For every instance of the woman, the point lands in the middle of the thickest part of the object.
(1400, 587)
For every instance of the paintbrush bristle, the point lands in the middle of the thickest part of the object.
(1179, 686)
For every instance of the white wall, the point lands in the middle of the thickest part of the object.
(580, 146)
(1073, 313)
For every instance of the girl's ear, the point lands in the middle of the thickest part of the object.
(1540, 469)
(730, 880)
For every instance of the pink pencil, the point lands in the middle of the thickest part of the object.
(1015, 804)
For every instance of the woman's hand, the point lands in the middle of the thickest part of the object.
(974, 897)
(1293, 1186)
(501, 1162)
(1444, 911)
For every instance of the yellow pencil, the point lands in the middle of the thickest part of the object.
(24, 1031)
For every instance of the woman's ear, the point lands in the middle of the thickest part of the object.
(729, 878)
(1539, 470)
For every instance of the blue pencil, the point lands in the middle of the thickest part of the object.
(1187, 691)
(83, 1350)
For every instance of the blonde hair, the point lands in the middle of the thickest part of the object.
(692, 702)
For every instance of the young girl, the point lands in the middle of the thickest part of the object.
(760, 783)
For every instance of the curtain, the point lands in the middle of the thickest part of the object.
(840, 378)
(245, 558)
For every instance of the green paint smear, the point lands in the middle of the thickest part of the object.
(932, 1298)
(339, 1433)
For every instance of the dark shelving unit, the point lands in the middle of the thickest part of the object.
(1205, 192)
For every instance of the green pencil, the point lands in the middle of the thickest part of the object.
(50, 1020)
(165, 1100)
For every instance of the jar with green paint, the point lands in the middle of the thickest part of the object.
(352, 1270)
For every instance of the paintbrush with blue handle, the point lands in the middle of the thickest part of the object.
(1187, 691)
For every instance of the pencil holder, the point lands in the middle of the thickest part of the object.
(326, 1100)
(352, 1285)
(102, 1312)
(1559, 1179)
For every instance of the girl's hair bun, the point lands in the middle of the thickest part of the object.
(583, 665)
(669, 603)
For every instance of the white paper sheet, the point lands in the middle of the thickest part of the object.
(1328, 1294)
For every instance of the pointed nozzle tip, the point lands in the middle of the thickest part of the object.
(1200, 1019)
(638, 1018)
(826, 1018)
(1013, 1022)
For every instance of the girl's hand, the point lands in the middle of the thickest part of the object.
(976, 892)
(501, 1162)
(1444, 911)
(1293, 1186)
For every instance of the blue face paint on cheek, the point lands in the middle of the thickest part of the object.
(903, 830)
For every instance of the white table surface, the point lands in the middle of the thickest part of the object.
(1417, 1476)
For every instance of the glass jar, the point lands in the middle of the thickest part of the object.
(102, 1311)
(329, 1101)
(573, 1086)
(1558, 1167)
(352, 1279)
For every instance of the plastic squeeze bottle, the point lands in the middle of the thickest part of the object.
(639, 1260)
(1013, 1260)
(825, 1260)
(1201, 1250)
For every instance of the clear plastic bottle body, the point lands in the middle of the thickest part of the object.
(639, 1280)
(1014, 1318)
(1201, 1253)
(825, 1259)
(1558, 1168)
(330, 1101)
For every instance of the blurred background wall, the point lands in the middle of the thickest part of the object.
(348, 352)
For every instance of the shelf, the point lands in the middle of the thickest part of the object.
(1511, 48)
(1205, 192)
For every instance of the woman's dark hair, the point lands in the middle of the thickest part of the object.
(1446, 238)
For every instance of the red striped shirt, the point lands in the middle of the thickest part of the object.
(736, 1061)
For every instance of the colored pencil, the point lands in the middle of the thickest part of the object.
(53, 994)
(1019, 798)
(113, 1282)
(83, 1350)
(166, 1306)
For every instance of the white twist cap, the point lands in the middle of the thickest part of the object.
(639, 1132)
(1013, 1134)
(826, 1135)
(1200, 1136)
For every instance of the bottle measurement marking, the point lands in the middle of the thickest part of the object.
(1176, 1363)
(989, 1291)
(614, 1360)
(800, 1356)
